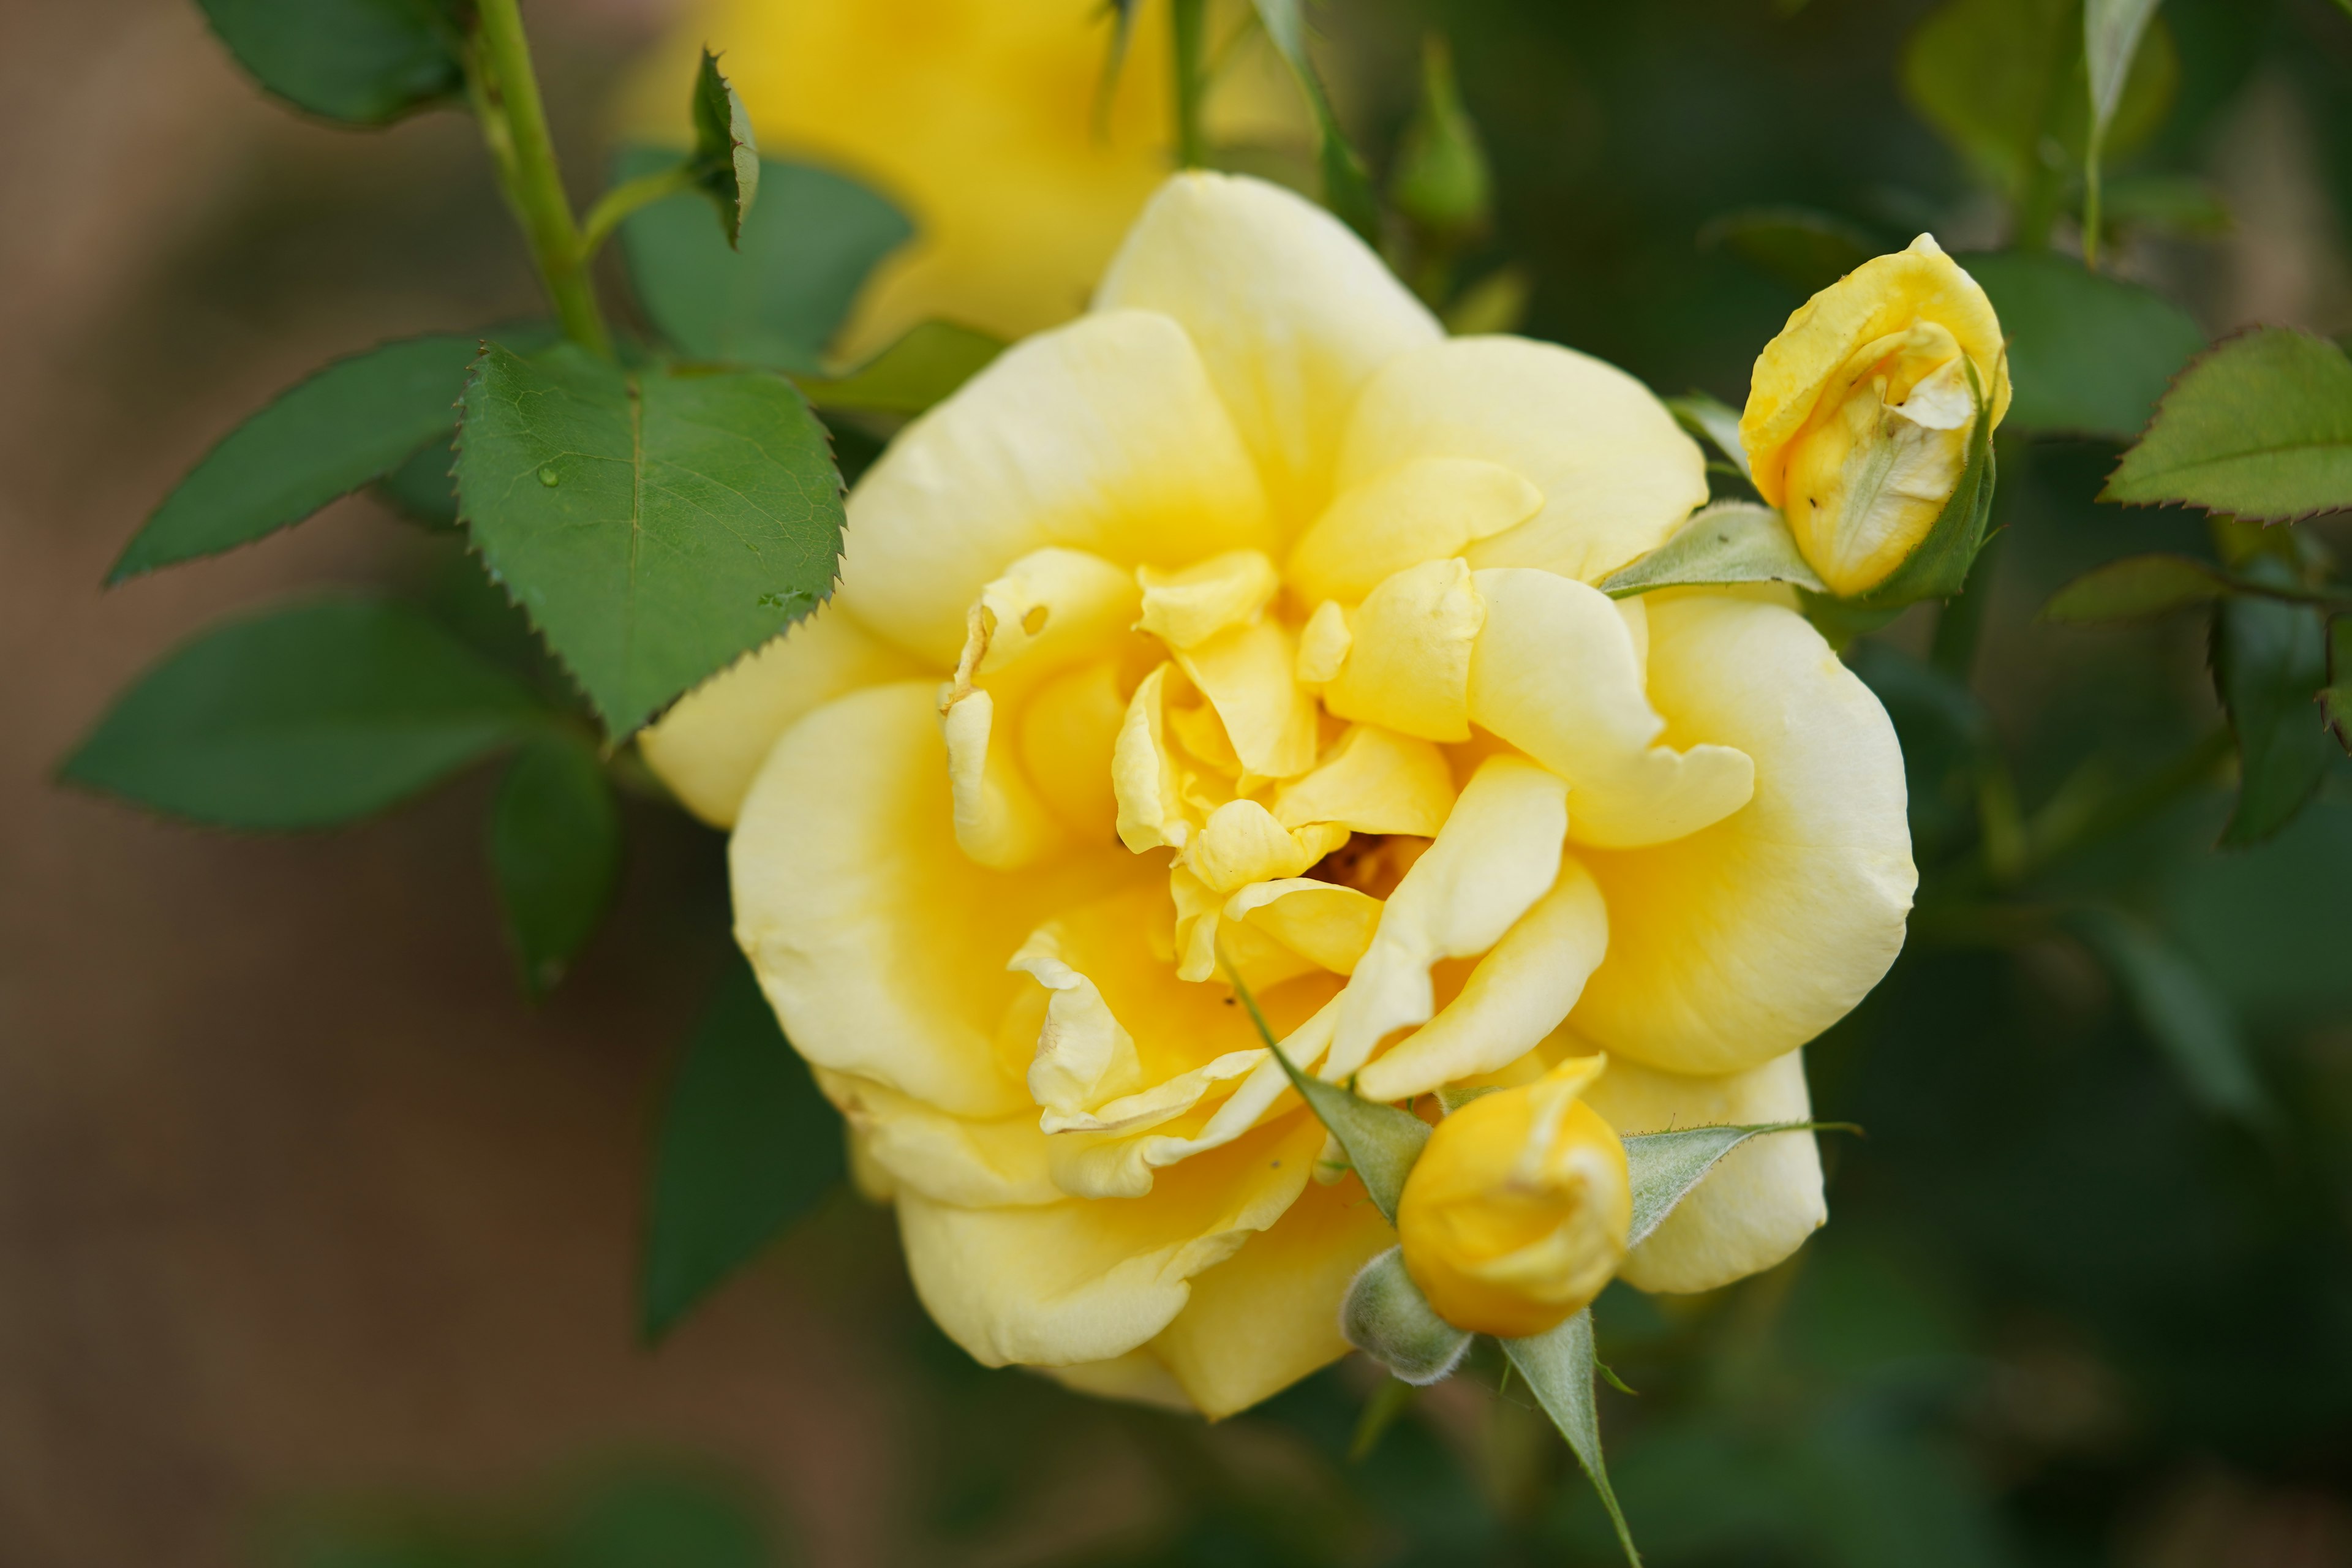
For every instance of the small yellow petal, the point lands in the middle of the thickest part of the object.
(999, 821)
(1322, 921)
(1248, 675)
(1143, 775)
(1373, 781)
(1323, 645)
(1408, 664)
(1187, 607)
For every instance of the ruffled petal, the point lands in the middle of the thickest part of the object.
(1292, 313)
(1087, 1280)
(1557, 674)
(1516, 997)
(1741, 942)
(1104, 436)
(954, 1159)
(1756, 1206)
(1247, 674)
(1616, 474)
(1322, 923)
(1497, 854)
(1269, 1315)
(882, 945)
(1419, 510)
(1408, 664)
(708, 747)
(1373, 781)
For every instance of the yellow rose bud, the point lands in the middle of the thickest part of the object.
(1859, 413)
(1516, 1214)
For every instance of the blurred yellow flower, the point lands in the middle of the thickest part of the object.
(1859, 413)
(984, 120)
(1248, 620)
(1517, 1213)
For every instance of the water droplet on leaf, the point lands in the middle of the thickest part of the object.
(549, 476)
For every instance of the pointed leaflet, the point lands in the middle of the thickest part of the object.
(365, 62)
(555, 851)
(1346, 188)
(1385, 1315)
(304, 716)
(746, 1145)
(2088, 354)
(656, 524)
(1662, 1167)
(2269, 661)
(357, 420)
(2261, 427)
(726, 158)
(779, 296)
(2181, 1012)
(1558, 1368)
(1731, 541)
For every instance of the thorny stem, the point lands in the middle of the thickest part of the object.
(505, 92)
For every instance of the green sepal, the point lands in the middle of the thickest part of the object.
(359, 62)
(1717, 423)
(926, 363)
(1730, 542)
(1939, 567)
(1663, 1167)
(1560, 1368)
(555, 854)
(1385, 1315)
(726, 158)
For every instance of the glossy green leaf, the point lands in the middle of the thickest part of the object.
(1718, 422)
(1663, 1167)
(2260, 427)
(354, 422)
(656, 524)
(779, 296)
(746, 1146)
(2336, 701)
(2137, 587)
(365, 62)
(2180, 1011)
(1998, 80)
(1558, 1368)
(1385, 1315)
(1806, 249)
(726, 158)
(2088, 354)
(1730, 542)
(424, 488)
(930, 361)
(302, 717)
(1346, 187)
(2269, 661)
(555, 851)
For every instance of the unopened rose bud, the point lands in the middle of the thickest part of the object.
(1860, 413)
(1516, 1214)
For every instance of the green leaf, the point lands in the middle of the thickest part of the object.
(726, 158)
(1558, 1368)
(1385, 1315)
(2260, 427)
(363, 62)
(1663, 1167)
(555, 850)
(422, 489)
(657, 524)
(1939, 567)
(1718, 422)
(2088, 354)
(1381, 1142)
(357, 420)
(781, 293)
(1730, 542)
(2137, 587)
(926, 363)
(746, 1146)
(302, 717)
(1806, 249)
(2269, 661)
(2180, 1010)
(1998, 80)
(1346, 187)
(2336, 701)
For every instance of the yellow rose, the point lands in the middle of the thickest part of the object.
(1517, 1213)
(1248, 618)
(1859, 413)
(984, 120)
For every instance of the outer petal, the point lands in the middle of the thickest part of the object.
(954, 1159)
(1090, 1279)
(1753, 1209)
(1104, 436)
(1269, 1315)
(1616, 474)
(1734, 945)
(708, 746)
(881, 945)
(1291, 312)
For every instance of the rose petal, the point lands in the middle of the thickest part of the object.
(1408, 665)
